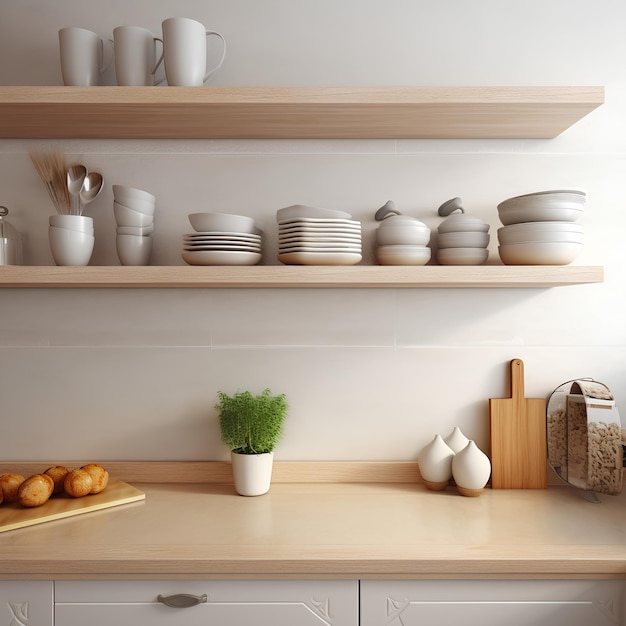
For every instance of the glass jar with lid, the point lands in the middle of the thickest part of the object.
(10, 241)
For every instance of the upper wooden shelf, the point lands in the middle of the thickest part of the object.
(293, 112)
(292, 276)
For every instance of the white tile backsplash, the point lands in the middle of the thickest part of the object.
(370, 374)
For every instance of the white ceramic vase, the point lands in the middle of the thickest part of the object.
(252, 473)
(456, 440)
(435, 464)
(471, 469)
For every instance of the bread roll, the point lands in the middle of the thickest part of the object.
(99, 476)
(58, 474)
(35, 490)
(78, 483)
(10, 483)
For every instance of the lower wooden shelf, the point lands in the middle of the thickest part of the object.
(292, 276)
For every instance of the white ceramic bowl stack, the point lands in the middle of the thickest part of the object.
(541, 228)
(222, 239)
(71, 239)
(462, 239)
(134, 214)
(316, 236)
(401, 239)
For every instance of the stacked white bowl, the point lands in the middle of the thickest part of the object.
(71, 239)
(541, 228)
(222, 239)
(462, 239)
(134, 214)
(400, 239)
(317, 236)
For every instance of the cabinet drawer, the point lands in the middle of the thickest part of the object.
(26, 603)
(493, 603)
(228, 603)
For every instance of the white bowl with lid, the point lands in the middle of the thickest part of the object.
(459, 222)
(399, 230)
(463, 239)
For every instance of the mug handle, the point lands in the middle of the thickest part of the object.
(217, 67)
(105, 66)
(156, 67)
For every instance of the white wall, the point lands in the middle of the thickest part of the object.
(370, 374)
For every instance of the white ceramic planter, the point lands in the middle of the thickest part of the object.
(435, 463)
(471, 469)
(252, 473)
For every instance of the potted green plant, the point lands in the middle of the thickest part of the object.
(251, 427)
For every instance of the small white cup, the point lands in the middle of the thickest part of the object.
(81, 223)
(83, 57)
(133, 249)
(136, 56)
(129, 217)
(185, 50)
(70, 247)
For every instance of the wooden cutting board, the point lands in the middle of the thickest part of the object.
(518, 437)
(118, 492)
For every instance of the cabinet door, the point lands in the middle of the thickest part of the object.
(492, 603)
(26, 603)
(227, 603)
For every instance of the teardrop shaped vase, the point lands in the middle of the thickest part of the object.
(456, 440)
(471, 469)
(435, 464)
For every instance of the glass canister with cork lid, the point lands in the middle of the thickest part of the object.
(10, 241)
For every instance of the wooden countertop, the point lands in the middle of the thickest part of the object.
(327, 530)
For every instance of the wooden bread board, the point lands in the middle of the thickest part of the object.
(518, 437)
(118, 492)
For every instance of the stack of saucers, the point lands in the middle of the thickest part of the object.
(540, 228)
(222, 239)
(314, 236)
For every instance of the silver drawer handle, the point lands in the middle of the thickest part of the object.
(181, 600)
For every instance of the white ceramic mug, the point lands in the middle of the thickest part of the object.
(185, 46)
(136, 56)
(83, 56)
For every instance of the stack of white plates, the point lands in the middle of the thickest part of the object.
(221, 248)
(222, 239)
(309, 236)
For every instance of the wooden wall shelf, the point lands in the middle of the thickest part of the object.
(293, 112)
(278, 276)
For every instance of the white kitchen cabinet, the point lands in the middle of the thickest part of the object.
(26, 603)
(223, 603)
(493, 603)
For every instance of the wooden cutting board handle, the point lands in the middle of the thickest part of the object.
(517, 380)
